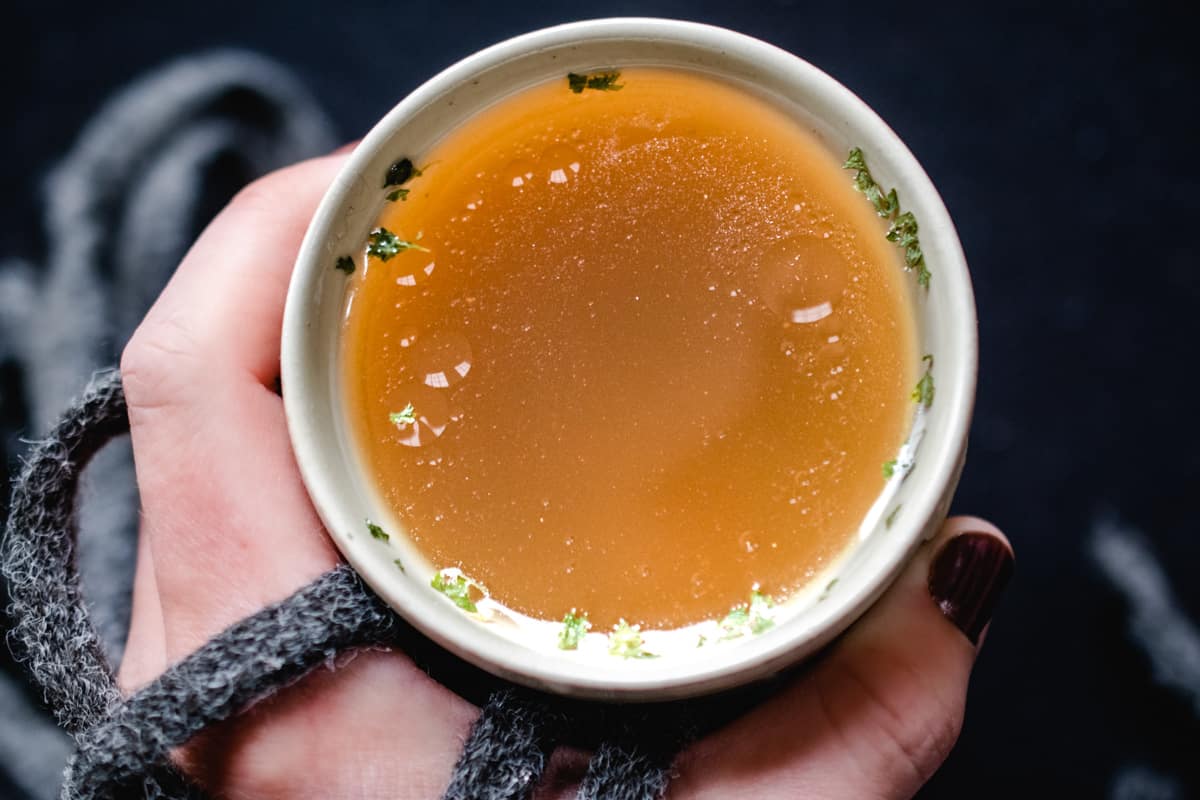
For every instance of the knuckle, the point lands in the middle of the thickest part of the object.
(267, 193)
(928, 744)
(270, 202)
(913, 725)
(260, 193)
(154, 362)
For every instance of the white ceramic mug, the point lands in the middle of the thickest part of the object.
(344, 495)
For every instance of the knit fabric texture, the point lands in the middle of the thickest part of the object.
(119, 210)
(122, 745)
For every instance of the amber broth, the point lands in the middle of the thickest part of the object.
(658, 352)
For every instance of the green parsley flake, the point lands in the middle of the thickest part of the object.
(377, 532)
(626, 641)
(403, 418)
(400, 565)
(891, 518)
(735, 622)
(398, 194)
(760, 619)
(345, 264)
(889, 468)
(457, 588)
(383, 244)
(600, 81)
(752, 617)
(923, 393)
(828, 588)
(702, 640)
(399, 173)
(575, 627)
(903, 228)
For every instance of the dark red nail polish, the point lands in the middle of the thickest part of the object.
(967, 578)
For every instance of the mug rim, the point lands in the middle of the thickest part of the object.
(749, 660)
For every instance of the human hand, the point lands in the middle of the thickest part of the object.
(228, 528)
(880, 711)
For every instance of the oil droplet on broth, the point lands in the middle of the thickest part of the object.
(621, 366)
(518, 172)
(441, 359)
(803, 279)
(563, 161)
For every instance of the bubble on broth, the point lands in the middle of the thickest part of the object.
(405, 335)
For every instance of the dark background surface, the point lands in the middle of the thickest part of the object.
(1062, 140)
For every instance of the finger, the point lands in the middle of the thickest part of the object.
(145, 647)
(223, 308)
(377, 727)
(563, 775)
(878, 714)
(229, 523)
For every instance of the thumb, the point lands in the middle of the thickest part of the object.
(880, 712)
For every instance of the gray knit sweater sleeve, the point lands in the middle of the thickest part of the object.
(122, 744)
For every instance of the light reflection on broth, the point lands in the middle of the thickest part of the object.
(657, 352)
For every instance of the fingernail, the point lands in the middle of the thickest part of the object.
(967, 578)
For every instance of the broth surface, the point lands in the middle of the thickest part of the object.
(658, 352)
